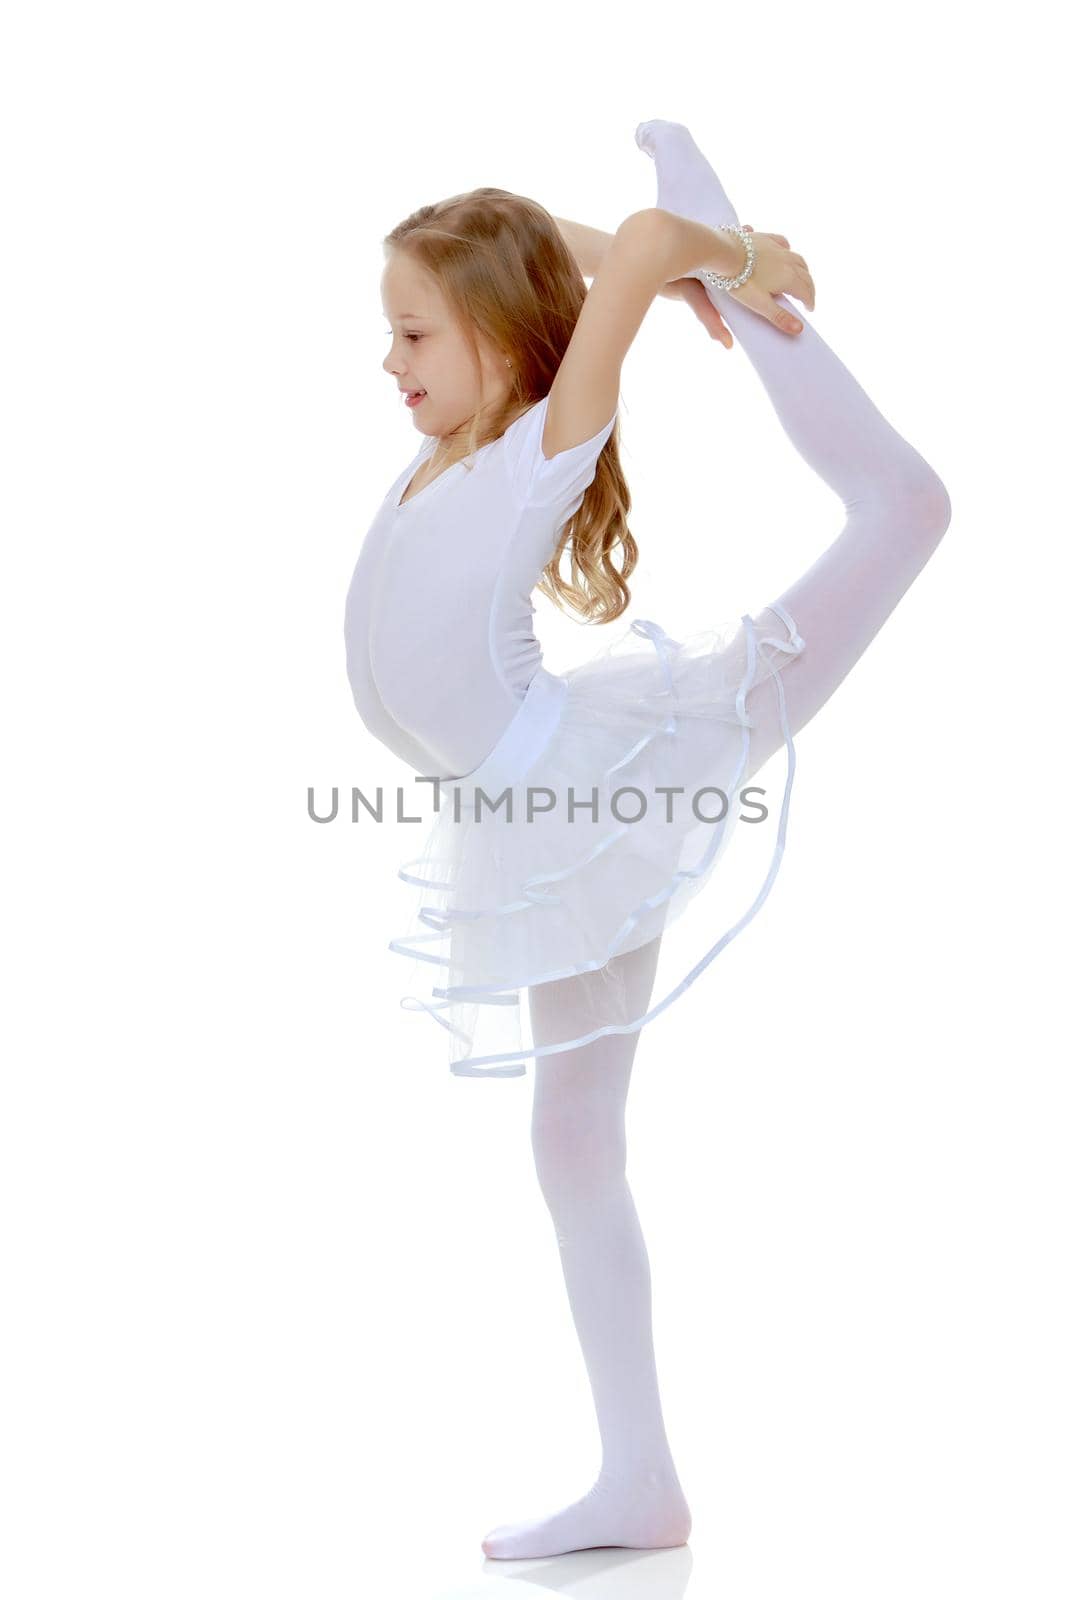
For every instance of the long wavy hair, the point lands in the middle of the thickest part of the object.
(507, 273)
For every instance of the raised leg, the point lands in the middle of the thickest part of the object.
(896, 507)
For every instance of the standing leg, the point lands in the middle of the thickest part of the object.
(579, 1142)
(897, 508)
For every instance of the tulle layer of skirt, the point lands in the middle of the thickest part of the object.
(599, 816)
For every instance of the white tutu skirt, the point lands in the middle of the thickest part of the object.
(562, 852)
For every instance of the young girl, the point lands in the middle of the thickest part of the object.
(578, 815)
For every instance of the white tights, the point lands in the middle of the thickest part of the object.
(897, 510)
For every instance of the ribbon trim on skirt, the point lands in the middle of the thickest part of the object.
(523, 740)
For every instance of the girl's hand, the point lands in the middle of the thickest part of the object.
(778, 270)
(787, 273)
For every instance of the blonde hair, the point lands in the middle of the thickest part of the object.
(507, 273)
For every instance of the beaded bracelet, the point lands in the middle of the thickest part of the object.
(716, 279)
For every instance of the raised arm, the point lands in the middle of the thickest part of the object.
(635, 263)
(653, 247)
(587, 245)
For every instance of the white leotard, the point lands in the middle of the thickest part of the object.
(439, 630)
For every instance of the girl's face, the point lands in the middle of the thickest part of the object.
(427, 352)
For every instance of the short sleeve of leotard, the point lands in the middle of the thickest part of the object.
(540, 482)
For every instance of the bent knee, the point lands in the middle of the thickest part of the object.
(922, 502)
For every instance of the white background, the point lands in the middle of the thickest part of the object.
(284, 1314)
